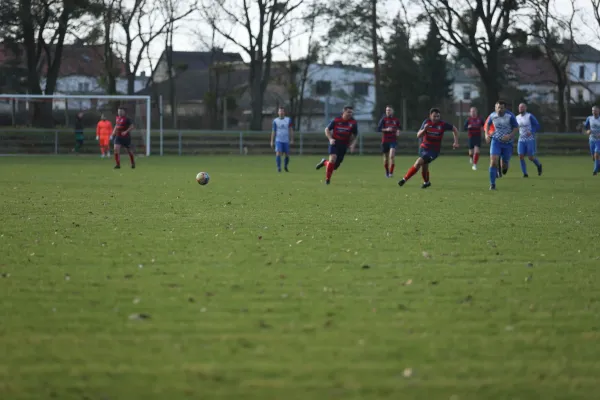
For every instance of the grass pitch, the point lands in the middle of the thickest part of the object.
(140, 284)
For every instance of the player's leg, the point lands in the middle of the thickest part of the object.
(495, 152)
(286, 152)
(386, 162)
(532, 156)
(592, 149)
(278, 155)
(425, 175)
(506, 153)
(329, 164)
(522, 152)
(340, 154)
(596, 157)
(117, 151)
(471, 152)
(415, 168)
(392, 159)
(130, 151)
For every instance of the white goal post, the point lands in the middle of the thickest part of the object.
(66, 97)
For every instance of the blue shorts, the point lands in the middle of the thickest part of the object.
(595, 147)
(526, 147)
(385, 147)
(282, 147)
(124, 141)
(504, 150)
(340, 151)
(428, 155)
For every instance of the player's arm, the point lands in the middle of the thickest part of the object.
(98, 131)
(380, 125)
(398, 129)
(329, 132)
(588, 126)
(273, 134)
(455, 134)
(515, 127)
(423, 129)
(535, 125)
(466, 127)
(354, 138)
(114, 131)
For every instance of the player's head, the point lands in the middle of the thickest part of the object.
(121, 111)
(348, 112)
(80, 114)
(500, 107)
(522, 108)
(281, 112)
(596, 111)
(434, 114)
(473, 112)
(389, 111)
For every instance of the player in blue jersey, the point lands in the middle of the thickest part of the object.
(282, 136)
(528, 126)
(501, 128)
(592, 129)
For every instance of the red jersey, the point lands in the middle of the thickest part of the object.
(343, 129)
(122, 124)
(474, 125)
(434, 133)
(386, 123)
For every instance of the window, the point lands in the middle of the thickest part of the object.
(582, 72)
(323, 88)
(83, 86)
(580, 95)
(467, 93)
(361, 88)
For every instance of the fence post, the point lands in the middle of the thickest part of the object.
(360, 144)
(241, 143)
(55, 142)
(180, 143)
(301, 143)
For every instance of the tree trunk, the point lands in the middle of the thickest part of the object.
(562, 113)
(256, 95)
(375, 55)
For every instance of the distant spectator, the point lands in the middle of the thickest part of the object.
(78, 132)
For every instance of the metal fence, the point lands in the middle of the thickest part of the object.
(173, 142)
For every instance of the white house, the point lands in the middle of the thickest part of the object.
(584, 73)
(337, 85)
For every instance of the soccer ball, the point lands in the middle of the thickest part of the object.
(202, 178)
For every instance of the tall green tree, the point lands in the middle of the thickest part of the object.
(433, 68)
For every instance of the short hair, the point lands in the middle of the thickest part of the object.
(388, 106)
(122, 108)
(595, 106)
(346, 108)
(281, 108)
(434, 110)
(501, 103)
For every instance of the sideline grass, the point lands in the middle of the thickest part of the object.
(267, 286)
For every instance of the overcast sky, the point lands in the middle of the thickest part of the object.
(188, 38)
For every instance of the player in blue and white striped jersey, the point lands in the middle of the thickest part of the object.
(282, 136)
(592, 128)
(500, 128)
(528, 126)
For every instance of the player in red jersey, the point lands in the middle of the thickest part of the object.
(390, 127)
(122, 137)
(432, 132)
(341, 133)
(474, 126)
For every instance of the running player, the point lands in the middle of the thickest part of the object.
(474, 125)
(501, 129)
(528, 126)
(283, 135)
(341, 133)
(390, 127)
(122, 137)
(592, 129)
(432, 131)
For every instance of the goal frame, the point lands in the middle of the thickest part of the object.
(91, 97)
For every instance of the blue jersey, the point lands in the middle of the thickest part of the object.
(593, 124)
(502, 125)
(528, 126)
(281, 127)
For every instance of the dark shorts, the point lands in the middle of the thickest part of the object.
(124, 141)
(385, 147)
(427, 155)
(340, 151)
(474, 141)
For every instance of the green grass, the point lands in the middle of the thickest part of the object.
(266, 286)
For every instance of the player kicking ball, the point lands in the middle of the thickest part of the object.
(342, 133)
(431, 135)
(122, 137)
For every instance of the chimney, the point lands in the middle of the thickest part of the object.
(338, 63)
(143, 74)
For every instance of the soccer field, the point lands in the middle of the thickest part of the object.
(141, 284)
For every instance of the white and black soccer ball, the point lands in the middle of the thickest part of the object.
(202, 178)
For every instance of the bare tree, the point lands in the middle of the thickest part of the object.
(140, 23)
(554, 33)
(260, 20)
(478, 30)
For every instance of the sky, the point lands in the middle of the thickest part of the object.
(188, 33)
